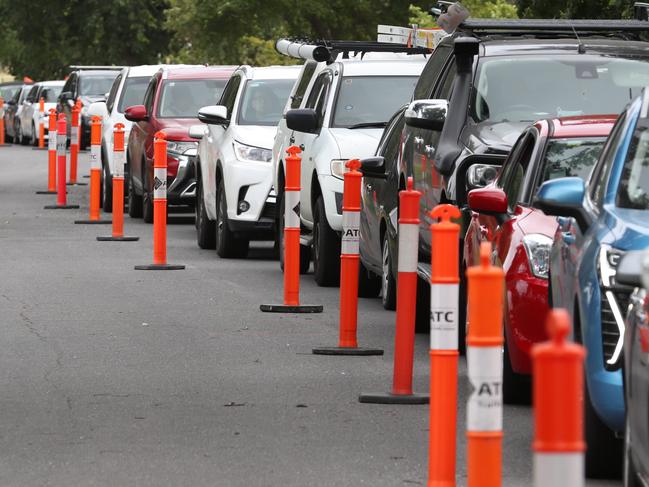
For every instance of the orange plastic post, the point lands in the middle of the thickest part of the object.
(159, 206)
(485, 370)
(558, 375)
(51, 151)
(349, 259)
(74, 145)
(95, 174)
(41, 123)
(444, 282)
(2, 121)
(61, 143)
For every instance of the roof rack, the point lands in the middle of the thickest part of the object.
(97, 68)
(327, 51)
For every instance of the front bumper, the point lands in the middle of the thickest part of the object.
(332, 194)
(181, 188)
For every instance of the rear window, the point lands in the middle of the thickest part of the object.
(263, 101)
(571, 157)
(133, 92)
(183, 98)
(96, 85)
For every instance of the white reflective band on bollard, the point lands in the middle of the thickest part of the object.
(95, 154)
(350, 239)
(51, 141)
(292, 209)
(74, 135)
(558, 469)
(443, 316)
(118, 161)
(159, 183)
(485, 405)
(408, 247)
(61, 143)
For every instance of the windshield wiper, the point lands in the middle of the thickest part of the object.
(368, 124)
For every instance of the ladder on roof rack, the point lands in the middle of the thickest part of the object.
(326, 51)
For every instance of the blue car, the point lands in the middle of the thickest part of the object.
(599, 222)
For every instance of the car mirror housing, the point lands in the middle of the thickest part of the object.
(489, 201)
(631, 268)
(214, 115)
(561, 196)
(481, 175)
(196, 131)
(136, 113)
(98, 109)
(302, 120)
(374, 167)
(427, 114)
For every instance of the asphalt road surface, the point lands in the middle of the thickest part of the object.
(111, 376)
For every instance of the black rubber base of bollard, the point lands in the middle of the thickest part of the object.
(76, 184)
(118, 239)
(93, 222)
(286, 308)
(61, 207)
(4, 145)
(389, 398)
(360, 351)
(159, 267)
(39, 148)
(87, 176)
(45, 192)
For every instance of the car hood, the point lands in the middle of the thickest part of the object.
(492, 137)
(533, 220)
(357, 143)
(257, 135)
(177, 128)
(630, 227)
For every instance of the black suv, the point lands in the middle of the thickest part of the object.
(89, 86)
(489, 80)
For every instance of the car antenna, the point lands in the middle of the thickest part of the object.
(581, 48)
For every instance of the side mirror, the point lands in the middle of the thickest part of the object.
(98, 109)
(481, 175)
(489, 201)
(631, 267)
(136, 113)
(197, 131)
(427, 114)
(302, 120)
(561, 197)
(214, 115)
(373, 167)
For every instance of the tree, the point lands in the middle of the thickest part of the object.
(574, 9)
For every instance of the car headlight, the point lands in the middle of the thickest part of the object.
(609, 259)
(538, 247)
(338, 168)
(175, 148)
(251, 153)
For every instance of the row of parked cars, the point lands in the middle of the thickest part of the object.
(517, 122)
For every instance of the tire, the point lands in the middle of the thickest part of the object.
(134, 201)
(388, 283)
(305, 252)
(629, 472)
(422, 310)
(326, 249)
(462, 312)
(227, 245)
(205, 228)
(605, 452)
(369, 284)
(517, 388)
(106, 192)
(147, 203)
(34, 138)
(21, 138)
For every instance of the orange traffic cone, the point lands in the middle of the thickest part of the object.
(51, 154)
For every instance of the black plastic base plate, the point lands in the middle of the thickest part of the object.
(118, 239)
(61, 207)
(286, 308)
(86, 176)
(93, 222)
(76, 184)
(3, 145)
(39, 148)
(347, 351)
(389, 398)
(159, 267)
(45, 192)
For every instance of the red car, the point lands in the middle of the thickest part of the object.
(171, 103)
(503, 213)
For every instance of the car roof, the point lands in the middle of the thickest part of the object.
(582, 126)
(404, 66)
(51, 83)
(503, 46)
(198, 72)
(98, 72)
(271, 72)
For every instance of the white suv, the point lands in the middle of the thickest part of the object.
(30, 116)
(337, 112)
(235, 201)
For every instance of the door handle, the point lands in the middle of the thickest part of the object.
(568, 237)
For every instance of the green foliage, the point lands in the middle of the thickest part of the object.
(494, 9)
(574, 9)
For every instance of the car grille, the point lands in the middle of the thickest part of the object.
(610, 330)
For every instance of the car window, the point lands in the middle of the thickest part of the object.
(230, 92)
(263, 101)
(319, 94)
(110, 101)
(302, 83)
(392, 144)
(50, 93)
(31, 97)
(599, 176)
(150, 94)
(68, 84)
(9, 91)
(132, 92)
(437, 61)
(182, 98)
(74, 88)
(633, 190)
(571, 157)
(514, 174)
(446, 86)
(96, 85)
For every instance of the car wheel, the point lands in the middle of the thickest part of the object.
(629, 472)
(516, 387)
(369, 284)
(34, 138)
(134, 202)
(422, 308)
(205, 228)
(147, 203)
(227, 246)
(388, 282)
(604, 452)
(21, 137)
(326, 249)
(305, 252)
(106, 193)
(463, 312)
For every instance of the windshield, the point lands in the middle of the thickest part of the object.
(526, 88)
(633, 191)
(371, 100)
(8, 92)
(51, 93)
(183, 98)
(133, 92)
(96, 85)
(571, 157)
(263, 101)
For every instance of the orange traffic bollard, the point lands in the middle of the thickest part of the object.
(159, 208)
(79, 105)
(484, 356)
(95, 175)
(558, 375)
(61, 145)
(292, 242)
(349, 260)
(51, 154)
(2, 122)
(444, 283)
(404, 339)
(74, 147)
(118, 189)
(41, 124)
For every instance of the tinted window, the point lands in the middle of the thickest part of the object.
(263, 101)
(426, 83)
(32, 93)
(514, 171)
(561, 86)
(447, 85)
(8, 92)
(303, 82)
(132, 92)
(599, 177)
(571, 157)
(183, 98)
(50, 93)
(150, 93)
(319, 95)
(96, 85)
(633, 191)
(371, 99)
(392, 143)
(230, 93)
(110, 101)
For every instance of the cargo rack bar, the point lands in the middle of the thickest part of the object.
(98, 68)
(326, 51)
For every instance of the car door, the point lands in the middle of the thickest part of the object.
(28, 112)
(138, 136)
